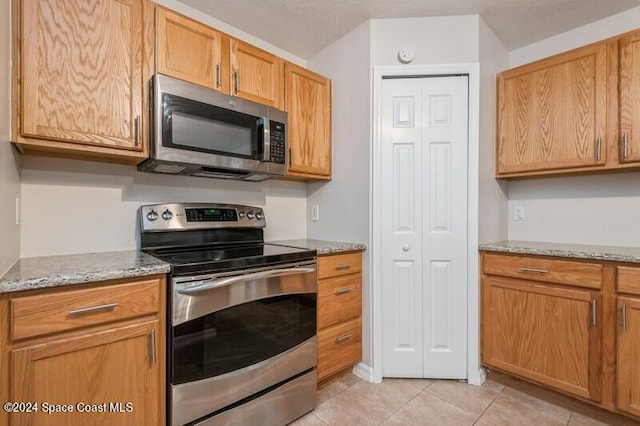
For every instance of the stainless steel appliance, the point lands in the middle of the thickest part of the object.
(241, 345)
(201, 132)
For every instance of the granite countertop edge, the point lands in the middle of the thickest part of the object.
(322, 247)
(577, 251)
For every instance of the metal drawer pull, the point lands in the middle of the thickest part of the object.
(624, 317)
(598, 149)
(218, 75)
(343, 266)
(93, 309)
(137, 130)
(593, 312)
(236, 77)
(534, 270)
(152, 346)
(344, 290)
(344, 337)
(625, 145)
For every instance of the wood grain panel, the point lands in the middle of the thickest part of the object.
(339, 264)
(339, 299)
(49, 313)
(308, 103)
(546, 270)
(81, 71)
(629, 99)
(339, 347)
(629, 280)
(551, 113)
(628, 357)
(104, 367)
(259, 74)
(543, 333)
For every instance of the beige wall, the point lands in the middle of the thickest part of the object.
(9, 160)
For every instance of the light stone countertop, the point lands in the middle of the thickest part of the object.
(578, 251)
(55, 271)
(321, 246)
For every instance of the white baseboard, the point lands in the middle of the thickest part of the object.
(477, 377)
(364, 372)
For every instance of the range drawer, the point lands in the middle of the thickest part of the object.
(628, 280)
(339, 299)
(553, 271)
(339, 264)
(339, 347)
(68, 310)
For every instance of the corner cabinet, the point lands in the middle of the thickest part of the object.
(78, 78)
(308, 103)
(99, 348)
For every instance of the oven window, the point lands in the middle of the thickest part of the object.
(240, 336)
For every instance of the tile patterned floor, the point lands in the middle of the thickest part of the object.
(352, 401)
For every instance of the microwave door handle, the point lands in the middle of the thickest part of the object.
(210, 285)
(265, 138)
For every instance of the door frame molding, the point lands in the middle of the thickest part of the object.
(475, 374)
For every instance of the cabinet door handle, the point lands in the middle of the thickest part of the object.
(344, 266)
(344, 290)
(152, 346)
(624, 317)
(90, 309)
(344, 337)
(594, 313)
(236, 81)
(290, 156)
(534, 271)
(218, 75)
(137, 130)
(598, 149)
(625, 145)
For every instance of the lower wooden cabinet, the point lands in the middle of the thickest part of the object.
(92, 355)
(628, 356)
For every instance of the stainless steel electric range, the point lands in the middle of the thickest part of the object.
(241, 344)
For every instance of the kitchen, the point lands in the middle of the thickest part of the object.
(110, 194)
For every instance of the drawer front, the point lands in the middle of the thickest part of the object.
(339, 347)
(68, 310)
(552, 271)
(339, 264)
(628, 280)
(339, 299)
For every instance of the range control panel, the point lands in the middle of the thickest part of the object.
(171, 217)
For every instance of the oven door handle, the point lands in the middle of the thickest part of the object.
(210, 285)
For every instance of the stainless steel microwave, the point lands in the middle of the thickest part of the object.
(197, 131)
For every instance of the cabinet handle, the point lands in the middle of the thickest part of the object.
(137, 130)
(344, 290)
(236, 81)
(218, 75)
(598, 149)
(152, 346)
(93, 309)
(344, 337)
(344, 266)
(290, 156)
(625, 145)
(624, 317)
(534, 271)
(593, 312)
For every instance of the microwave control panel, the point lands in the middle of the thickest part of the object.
(277, 142)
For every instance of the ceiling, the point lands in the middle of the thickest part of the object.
(304, 27)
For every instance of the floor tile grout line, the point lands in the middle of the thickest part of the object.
(406, 402)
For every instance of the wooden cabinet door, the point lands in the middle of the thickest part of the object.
(543, 333)
(308, 104)
(81, 71)
(629, 99)
(552, 114)
(256, 75)
(116, 366)
(628, 372)
(191, 51)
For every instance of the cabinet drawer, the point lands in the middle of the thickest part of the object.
(538, 269)
(339, 299)
(339, 264)
(628, 280)
(339, 347)
(68, 310)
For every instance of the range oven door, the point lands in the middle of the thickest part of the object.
(237, 334)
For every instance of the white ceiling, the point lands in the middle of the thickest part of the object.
(304, 27)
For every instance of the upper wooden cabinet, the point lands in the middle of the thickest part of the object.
(552, 114)
(629, 99)
(308, 103)
(191, 51)
(79, 68)
(257, 75)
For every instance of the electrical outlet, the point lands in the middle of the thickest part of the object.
(518, 213)
(315, 212)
